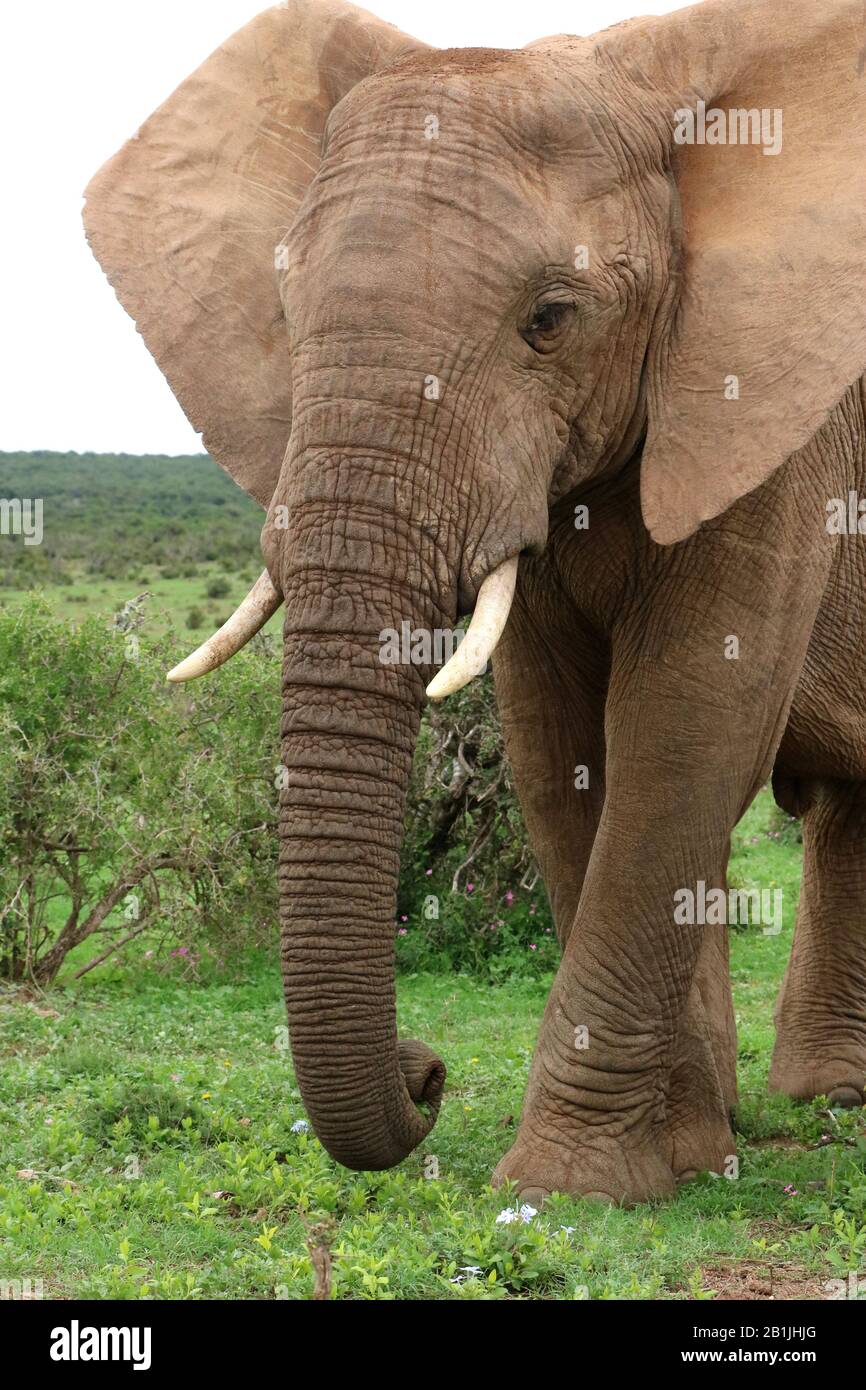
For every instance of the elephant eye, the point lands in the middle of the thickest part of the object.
(546, 323)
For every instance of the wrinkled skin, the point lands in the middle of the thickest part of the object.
(454, 257)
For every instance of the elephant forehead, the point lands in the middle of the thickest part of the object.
(408, 183)
(467, 109)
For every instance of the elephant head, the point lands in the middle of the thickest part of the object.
(412, 298)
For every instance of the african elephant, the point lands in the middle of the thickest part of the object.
(574, 335)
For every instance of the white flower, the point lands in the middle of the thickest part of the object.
(510, 1215)
(470, 1269)
(569, 1230)
(300, 1127)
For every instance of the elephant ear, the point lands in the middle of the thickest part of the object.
(770, 325)
(186, 220)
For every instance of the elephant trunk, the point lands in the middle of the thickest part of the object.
(348, 733)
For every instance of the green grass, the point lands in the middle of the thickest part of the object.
(115, 525)
(167, 608)
(155, 1120)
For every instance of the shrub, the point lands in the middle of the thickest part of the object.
(148, 1109)
(127, 805)
(217, 588)
(194, 618)
(470, 894)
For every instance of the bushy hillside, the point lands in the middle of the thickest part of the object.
(113, 515)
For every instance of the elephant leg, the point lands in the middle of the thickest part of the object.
(821, 1011)
(559, 777)
(703, 1082)
(625, 1085)
(551, 676)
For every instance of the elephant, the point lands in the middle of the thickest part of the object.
(572, 338)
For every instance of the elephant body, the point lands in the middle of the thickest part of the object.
(485, 329)
(600, 654)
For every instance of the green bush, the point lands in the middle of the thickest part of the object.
(470, 895)
(125, 804)
(129, 806)
(218, 588)
(194, 618)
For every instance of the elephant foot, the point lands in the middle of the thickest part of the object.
(703, 1144)
(842, 1081)
(603, 1171)
(700, 1137)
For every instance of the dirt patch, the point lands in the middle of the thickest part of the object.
(753, 1281)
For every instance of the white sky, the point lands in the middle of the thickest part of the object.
(77, 77)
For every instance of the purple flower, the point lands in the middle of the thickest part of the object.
(509, 897)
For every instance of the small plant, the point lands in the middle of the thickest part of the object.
(144, 1111)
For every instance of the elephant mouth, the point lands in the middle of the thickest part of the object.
(492, 607)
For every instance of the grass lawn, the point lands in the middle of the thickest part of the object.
(146, 1149)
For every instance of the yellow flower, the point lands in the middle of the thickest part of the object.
(205, 1095)
(473, 1060)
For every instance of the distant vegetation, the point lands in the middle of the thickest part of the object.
(118, 516)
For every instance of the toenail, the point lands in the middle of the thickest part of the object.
(534, 1196)
(845, 1096)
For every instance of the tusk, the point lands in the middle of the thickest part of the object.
(485, 629)
(261, 603)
